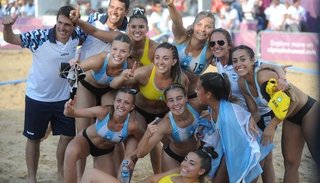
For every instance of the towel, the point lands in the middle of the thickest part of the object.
(242, 150)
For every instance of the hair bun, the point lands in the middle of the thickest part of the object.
(138, 11)
(210, 152)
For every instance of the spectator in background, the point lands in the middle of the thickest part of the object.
(27, 8)
(11, 8)
(260, 6)
(193, 8)
(248, 9)
(180, 5)
(229, 17)
(159, 19)
(86, 8)
(216, 6)
(275, 14)
(295, 17)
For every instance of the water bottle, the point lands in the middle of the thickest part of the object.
(125, 172)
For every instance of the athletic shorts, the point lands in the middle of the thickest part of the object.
(98, 92)
(39, 114)
(298, 117)
(94, 150)
(173, 155)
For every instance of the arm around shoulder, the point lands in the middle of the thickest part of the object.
(251, 104)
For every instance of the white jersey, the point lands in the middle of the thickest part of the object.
(93, 46)
(233, 78)
(44, 83)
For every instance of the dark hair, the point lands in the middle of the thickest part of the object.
(123, 38)
(205, 14)
(175, 69)
(128, 90)
(173, 86)
(246, 48)
(126, 3)
(206, 154)
(217, 84)
(138, 12)
(156, 2)
(227, 35)
(65, 11)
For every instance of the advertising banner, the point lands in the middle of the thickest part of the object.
(280, 46)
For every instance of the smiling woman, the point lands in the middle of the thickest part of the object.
(194, 53)
(178, 126)
(114, 124)
(152, 80)
(193, 168)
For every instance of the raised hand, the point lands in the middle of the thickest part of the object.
(75, 14)
(69, 107)
(129, 73)
(284, 67)
(152, 127)
(9, 20)
(282, 82)
(73, 62)
(169, 2)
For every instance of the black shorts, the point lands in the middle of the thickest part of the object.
(37, 117)
(173, 155)
(98, 92)
(298, 117)
(148, 116)
(265, 120)
(94, 151)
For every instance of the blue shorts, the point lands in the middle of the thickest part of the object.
(37, 117)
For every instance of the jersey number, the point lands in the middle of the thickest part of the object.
(200, 67)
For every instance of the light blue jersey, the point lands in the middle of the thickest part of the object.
(195, 64)
(184, 134)
(260, 101)
(116, 137)
(101, 76)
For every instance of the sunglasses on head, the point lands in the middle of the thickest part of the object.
(219, 42)
(131, 91)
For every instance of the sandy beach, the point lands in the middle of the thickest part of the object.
(15, 65)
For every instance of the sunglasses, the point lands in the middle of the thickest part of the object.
(219, 42)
